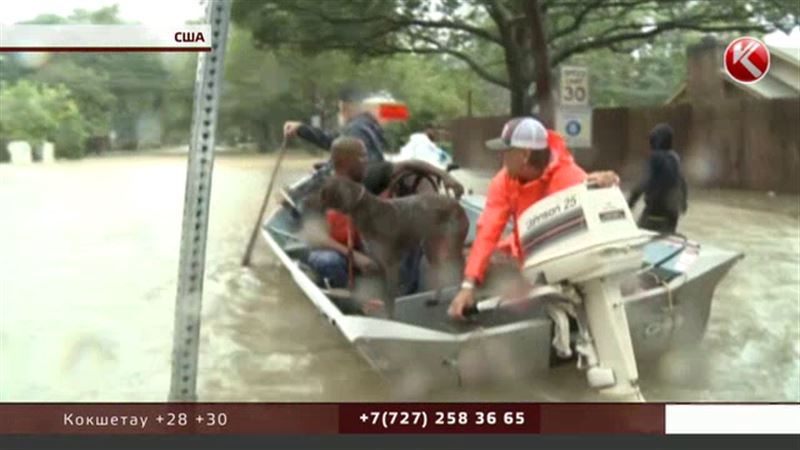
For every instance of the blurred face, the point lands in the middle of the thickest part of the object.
(354, 165)
(347, 110)
(514, 160)
(525, 165)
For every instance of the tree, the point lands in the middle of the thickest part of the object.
(112, 90)
(514, 44)
(255, 89)
(178, 105)
(88, 87)
(107, 15)
(264, 87)
(36, 112)
(647, 76)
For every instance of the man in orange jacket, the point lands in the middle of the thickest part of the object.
(536, 163)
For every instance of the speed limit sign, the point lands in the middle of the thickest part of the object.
(574, 86)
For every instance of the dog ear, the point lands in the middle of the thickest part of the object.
(322, 195)
(329, 195)
(315, 202)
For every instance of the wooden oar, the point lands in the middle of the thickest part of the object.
(254, 235)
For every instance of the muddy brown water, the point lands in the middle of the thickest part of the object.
(88, 275)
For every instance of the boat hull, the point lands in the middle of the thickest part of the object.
(422, 347)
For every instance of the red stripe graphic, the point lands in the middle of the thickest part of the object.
(603, 418)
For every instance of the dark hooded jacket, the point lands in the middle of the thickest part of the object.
(663, 186)
(363, 127)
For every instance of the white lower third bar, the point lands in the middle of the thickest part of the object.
(732, 419)
(105, 38)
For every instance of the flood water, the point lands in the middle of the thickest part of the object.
(88, 269)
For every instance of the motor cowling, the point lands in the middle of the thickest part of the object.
(579, 234)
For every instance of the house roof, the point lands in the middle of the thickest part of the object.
(789, 54)
(782, 80)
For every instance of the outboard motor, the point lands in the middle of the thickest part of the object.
(585, 241)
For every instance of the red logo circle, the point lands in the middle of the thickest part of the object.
(746, 60)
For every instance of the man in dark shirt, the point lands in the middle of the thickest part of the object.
(357, 121)
(664, 187)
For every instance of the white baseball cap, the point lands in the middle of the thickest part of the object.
(520, 132)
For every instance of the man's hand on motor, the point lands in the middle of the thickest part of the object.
(464, 299)
(603, 179)
(290, 128)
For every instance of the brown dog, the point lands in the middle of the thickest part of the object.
(392, 227)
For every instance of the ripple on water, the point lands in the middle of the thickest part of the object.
(89, 292)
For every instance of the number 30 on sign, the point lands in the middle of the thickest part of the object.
(574, 85)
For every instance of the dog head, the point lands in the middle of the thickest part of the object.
(341, 194)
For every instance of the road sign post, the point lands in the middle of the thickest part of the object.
(574, 86)
(574, 115)
(188, 303)
(575, 125)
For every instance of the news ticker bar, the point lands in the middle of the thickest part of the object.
(416, 418)
(55, 38)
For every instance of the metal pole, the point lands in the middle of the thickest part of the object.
(188, 304)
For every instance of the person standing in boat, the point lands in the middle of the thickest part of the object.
(359, 118)
(329, 257)
(536, 163)
(663, 186)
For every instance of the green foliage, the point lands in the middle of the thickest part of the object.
(257, 96)
(497, 39)
(36, 112)
(648, 76)
(179, 94)
(265, 87)
(89, 88)
(112, 90)
(107, 15)
(22, 113)
(289, 59)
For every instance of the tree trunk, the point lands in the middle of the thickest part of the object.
(520, 105)
(519, 58)
(541, 58)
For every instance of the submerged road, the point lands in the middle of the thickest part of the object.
(87, 289)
